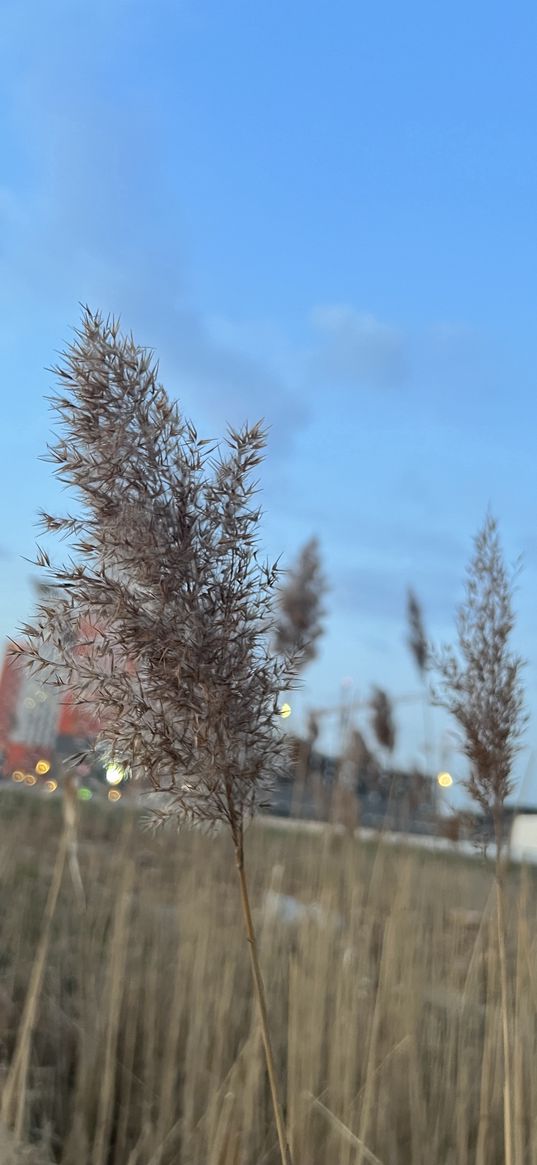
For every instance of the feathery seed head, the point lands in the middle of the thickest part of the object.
(417, 639)
(479, 682)
(382, 719)
(301, 609)
(161, 619)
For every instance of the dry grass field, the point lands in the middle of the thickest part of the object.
(382, 987)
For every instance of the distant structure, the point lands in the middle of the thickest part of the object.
(385, 797)
(39, 724)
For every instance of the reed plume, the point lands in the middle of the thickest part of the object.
(300, 601)
(418, 645)
(417, 638)
(177, 607)
(382, 721)
(479, 683)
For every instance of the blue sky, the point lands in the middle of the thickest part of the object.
(323, 214)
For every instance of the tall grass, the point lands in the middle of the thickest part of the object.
(384, 993)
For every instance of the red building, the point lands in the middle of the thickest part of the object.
(33, 716)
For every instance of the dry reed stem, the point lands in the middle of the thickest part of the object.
(372, 1048)
(505, 1010)
(185, 928)
(259, 987)
(14, 1091)
(168, 1085)
(520, 1016)
(127, 1067)
(346, 1133)
(487, 1059)
(118, 960)
(70, 817)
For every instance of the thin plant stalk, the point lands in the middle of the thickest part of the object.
(345, 1132)
(71, 832)
(14, 1091)
(522, 1011)
(118, 958)
(259, 988)
(504, 995)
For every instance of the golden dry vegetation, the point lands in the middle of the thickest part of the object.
(381, 969)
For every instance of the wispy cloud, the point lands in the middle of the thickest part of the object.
(100, 221)
(229, 384)
(359, 350)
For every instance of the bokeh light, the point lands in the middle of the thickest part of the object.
(42, 767)
(114, 795)
(114, 775)
(51, 786)
(30, 779)
(18, 776)
(445, 780)
(85, 794)
(285, 711)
